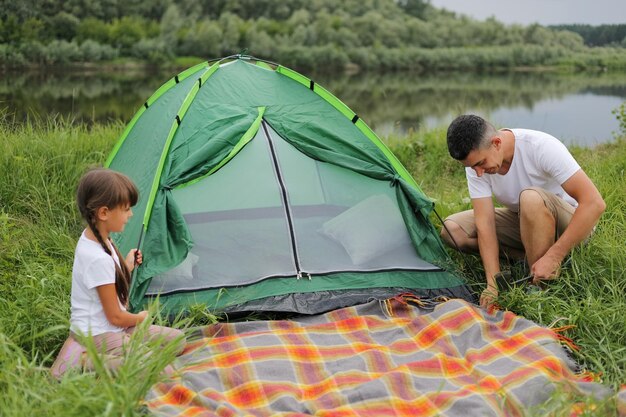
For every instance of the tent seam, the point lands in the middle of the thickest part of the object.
(182, 111)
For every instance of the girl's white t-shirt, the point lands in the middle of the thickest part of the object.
(539, 160)
(93, 267)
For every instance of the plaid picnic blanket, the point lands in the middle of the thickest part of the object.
(383, 358)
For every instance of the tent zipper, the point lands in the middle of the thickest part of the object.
(283, 191)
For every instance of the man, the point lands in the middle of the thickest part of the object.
(549, 204)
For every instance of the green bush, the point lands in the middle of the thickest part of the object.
(203, 40)
(34, 52)
(295, 57)
(63, 26)
(10, 30)
(260, 44)
(32, 29)
(363, 58)
(10, 56)
(94, 29)
(93, 51)
(63, 52)
(126, 32)
(329, 57)
(151, 50)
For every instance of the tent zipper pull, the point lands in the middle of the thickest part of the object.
(309, 276)
(299, 275)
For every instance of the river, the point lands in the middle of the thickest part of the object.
(576, 108)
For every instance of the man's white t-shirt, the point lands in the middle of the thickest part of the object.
(539, 160)
(93, 267)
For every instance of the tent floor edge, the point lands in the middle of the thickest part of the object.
(318, 295)
(324, 301)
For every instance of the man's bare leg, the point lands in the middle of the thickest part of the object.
(455, 237)
(537, 225)
(470, 245)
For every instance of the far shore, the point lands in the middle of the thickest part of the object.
(181, 63)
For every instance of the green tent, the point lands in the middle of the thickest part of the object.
(260, 190)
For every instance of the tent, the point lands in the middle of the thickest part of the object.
(260, 190)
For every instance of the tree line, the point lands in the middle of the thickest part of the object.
(600, 35)
(304, 34)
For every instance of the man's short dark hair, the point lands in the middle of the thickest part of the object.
(465, 134)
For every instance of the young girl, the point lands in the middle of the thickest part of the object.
(101, 277)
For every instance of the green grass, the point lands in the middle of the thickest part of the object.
(40, 164)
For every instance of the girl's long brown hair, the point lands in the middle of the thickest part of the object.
(106, 188)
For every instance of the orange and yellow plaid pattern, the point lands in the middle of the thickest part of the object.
(384, 358)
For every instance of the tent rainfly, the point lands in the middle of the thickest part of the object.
(261, 191)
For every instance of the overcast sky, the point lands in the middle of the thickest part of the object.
(545, 12)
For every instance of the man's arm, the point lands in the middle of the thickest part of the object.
(484, 215)
(590, 207)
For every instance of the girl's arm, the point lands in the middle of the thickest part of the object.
(114, 314)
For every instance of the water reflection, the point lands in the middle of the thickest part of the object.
(579, 119)
(576, 108)
(84, 97)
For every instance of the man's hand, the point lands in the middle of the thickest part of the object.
(489, 296)
(547, 267)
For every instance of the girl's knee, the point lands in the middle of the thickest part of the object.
(170, 335)
(71, 356)
(181, 341)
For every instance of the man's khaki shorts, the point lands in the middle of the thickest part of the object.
(507, 221)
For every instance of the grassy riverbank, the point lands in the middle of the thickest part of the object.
(41, 163)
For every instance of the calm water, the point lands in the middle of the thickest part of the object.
(575, 108)
(583, 119)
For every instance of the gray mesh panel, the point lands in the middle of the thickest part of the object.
(344, 221)
(238, 226)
